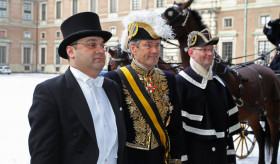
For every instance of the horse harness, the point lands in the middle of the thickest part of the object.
(238, 98)
(119, 59)
(184, 13)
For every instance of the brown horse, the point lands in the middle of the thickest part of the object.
(183, 21)
(120, 58)
(257, 91)
(260, 95)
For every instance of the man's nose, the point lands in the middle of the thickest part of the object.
(155, 49)
(209, 52)
(101, 49)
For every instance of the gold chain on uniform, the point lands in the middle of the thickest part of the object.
(156, 84)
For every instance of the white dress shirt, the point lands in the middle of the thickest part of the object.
(102, 114)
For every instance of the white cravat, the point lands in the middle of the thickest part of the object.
(201, 71)
(102, 114)
(98, 81)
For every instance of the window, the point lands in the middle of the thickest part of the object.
(264, 46)
(2, 33)
(3, 9)
(227, 50)
(264, 19)
(57, 69)
(3, 50)
(93, 6)
(43, 12)
(26, 55)
(57, 58)
(27, 35)
(58, 10)
(57, 34)
(27, 68)
(43, 35)
(43, 55)
(135, 4)
(228, 22)
(160, 3)
(75, 6)
(27, 11)
(113, 6)
(113, 30)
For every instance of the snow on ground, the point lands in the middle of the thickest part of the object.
(16, 92)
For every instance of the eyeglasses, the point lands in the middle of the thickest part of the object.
(92, 45)
(204, 49)
(151, 45)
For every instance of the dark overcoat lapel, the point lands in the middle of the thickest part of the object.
(80, 107)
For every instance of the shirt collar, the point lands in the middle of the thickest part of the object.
(98, 81)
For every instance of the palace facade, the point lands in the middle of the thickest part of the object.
(30, 29)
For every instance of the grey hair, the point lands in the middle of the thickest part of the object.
(136, 42)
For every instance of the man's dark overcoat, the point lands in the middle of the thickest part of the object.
(62, 129)
(210, 118)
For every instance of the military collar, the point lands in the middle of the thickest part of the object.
(191, 76)
(141, 69)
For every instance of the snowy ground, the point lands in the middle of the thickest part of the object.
(16, 92)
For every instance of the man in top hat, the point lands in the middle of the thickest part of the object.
(209, 113)
(76, 118)
(153, 121)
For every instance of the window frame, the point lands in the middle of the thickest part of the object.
(56, 57)
(113, 28)
(27, 61)
(92, 5)
(265, 16)
(4, 9)
(57, 33)
(43, 13)
(266, 48)
(224, 54)
(115, 10)
(27, 16)
(138, 4)
(5, 33)
(45, 55)
(5, 55)
(75, 6)
(43, 35)
(58, 14)
(225, 22)
(26, 34)
(162, 2)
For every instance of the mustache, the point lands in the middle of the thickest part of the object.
(153, 55)
(99, 56)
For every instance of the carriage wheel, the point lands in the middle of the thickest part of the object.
(245, 141)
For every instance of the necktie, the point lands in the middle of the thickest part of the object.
(98, 82)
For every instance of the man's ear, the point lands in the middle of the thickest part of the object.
(133, 48)
(190, 52)
(70, 51)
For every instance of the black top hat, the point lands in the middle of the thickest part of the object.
(201, 38)
(272, 31)
(79, 26)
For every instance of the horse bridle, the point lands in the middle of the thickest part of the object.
(237, 99)
(183, 13)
